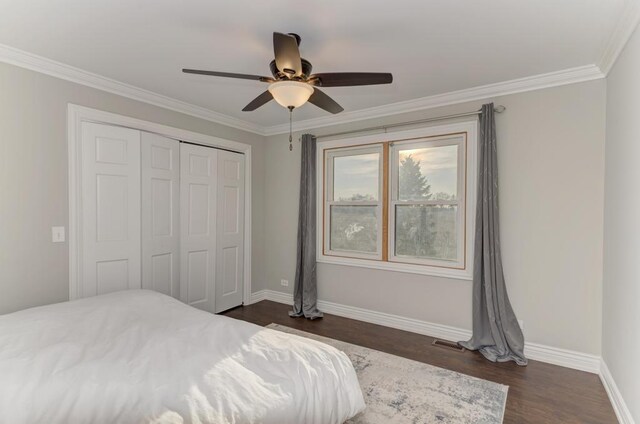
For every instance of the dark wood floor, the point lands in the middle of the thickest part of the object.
(538, 393)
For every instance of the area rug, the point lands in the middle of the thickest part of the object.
(398, 390)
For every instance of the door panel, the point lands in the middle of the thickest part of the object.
(231, 218)
(198, 185)
(162, 207)
(110, 209)
(230, 283)
(199, 209)
(162, 271)
(111, 276)
(111, 150)
(199, 164)
(230, 228)
(160, 162)
(198, 275)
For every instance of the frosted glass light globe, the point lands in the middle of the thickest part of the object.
(291, 93)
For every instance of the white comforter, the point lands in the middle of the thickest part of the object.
(139, 356)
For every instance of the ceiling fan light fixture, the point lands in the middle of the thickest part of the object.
(293, 84)
(290, 93)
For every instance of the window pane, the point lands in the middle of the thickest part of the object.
(356, 177)
(427, 231)
(354, 228)
(428, 173)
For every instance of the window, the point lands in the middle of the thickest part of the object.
(401, 203)
(354, 202)
(427, 201)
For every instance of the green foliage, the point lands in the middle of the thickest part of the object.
(413, 185)
(414, 230)
(421, 231)
(358, 198)
(354, 228)
(443, 196)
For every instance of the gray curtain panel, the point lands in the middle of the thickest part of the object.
(496, 333)
(305, 292)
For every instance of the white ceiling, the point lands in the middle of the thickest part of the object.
(430, 46)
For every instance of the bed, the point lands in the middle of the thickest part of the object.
(140, 356)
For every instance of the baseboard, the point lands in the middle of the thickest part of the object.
(618, 403)
(395, 321)
(258, 296)
(280, 297)
(562, 357)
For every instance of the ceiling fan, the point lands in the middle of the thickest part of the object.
(292, 84)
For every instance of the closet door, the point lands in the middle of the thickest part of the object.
(198, 189)
(160, 162)
(230, 225)
(110, 209)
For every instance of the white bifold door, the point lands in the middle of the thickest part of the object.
(211, 227)
(110, 207)
(230, 229)
(160, 165)
(198, 183)
(161, 215)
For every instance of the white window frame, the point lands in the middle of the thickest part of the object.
(329, 201)
(459, 140)
(464, 273)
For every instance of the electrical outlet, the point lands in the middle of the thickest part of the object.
(284, 282)
(57, 234)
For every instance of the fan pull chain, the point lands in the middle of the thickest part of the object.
(290, 128)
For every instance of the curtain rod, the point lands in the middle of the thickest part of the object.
(497, 109)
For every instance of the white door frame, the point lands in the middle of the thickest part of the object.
(76, 115)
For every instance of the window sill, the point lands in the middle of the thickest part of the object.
(458, 274)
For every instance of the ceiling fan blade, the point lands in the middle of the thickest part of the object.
(325, 102)
(347, 79)
(228, 75)
(285, 48)
(262, 99)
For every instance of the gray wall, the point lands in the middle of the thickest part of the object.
(621, 298)
(551, 165)
(551, 147)
(33, 179)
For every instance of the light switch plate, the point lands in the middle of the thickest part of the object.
(57, 234)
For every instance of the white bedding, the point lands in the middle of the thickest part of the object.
(140, 356)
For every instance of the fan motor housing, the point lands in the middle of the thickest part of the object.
(277, 74)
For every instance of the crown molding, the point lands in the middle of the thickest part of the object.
(55, 69)
(536, 82)
(626, 25)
